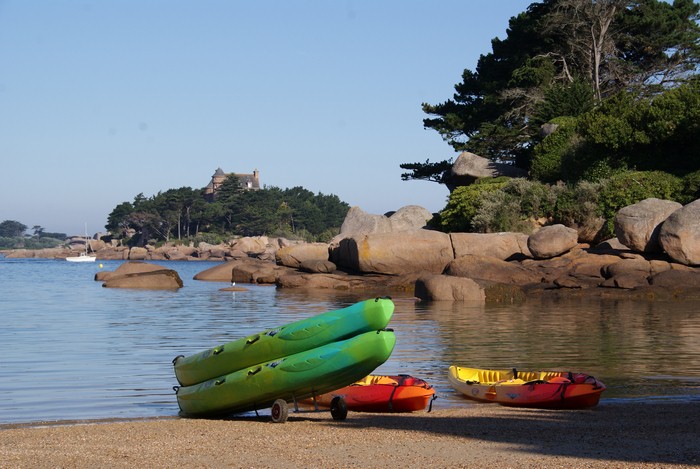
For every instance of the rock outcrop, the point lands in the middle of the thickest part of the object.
(504, 246)
(637, 226)
(552, 241)
(408, 218)
(245, 270)
(138, 254)
(221, 272)
(491, 269)
(477, 267)
(395, 253)
(318, 267)
(298, 254)
(676, 278)
(177, 252)
(47, 253)
(141, 275)
(437, 266)
(448, 288)
(372, 285)
(359, 221)
(469, 167)
(626, 267)
(680, 234)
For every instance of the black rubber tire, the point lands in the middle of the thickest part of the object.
(339, 409)
(280, 411)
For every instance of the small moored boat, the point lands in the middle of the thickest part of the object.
(83, 256)
(373, 393)
(537, 389)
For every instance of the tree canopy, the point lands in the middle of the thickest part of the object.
(12, 228)
(569, 58)
(13, 236)
(185, 213)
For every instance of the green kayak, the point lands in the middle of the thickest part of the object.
(299, 376)
(306, 334)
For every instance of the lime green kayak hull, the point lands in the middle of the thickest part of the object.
(306, 334)
(299, 376)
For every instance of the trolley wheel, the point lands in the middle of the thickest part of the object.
(280, 411)
(339, 409)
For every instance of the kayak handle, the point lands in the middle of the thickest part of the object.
(535, 381)
(252, 340)
(255, 371)
(218, 350)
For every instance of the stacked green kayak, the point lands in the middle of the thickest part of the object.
(299, 376)
(296, 361)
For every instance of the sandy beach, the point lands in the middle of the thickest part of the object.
(609, 435)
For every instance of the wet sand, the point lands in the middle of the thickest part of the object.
(619, 435)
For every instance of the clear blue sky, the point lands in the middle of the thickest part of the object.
(103, 100)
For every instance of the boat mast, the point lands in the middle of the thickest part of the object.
(86, 240)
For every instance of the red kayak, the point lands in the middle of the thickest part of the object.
(402, 393)
(537, 389)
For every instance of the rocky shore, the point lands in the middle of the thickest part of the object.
(621, 435)
(656, 255)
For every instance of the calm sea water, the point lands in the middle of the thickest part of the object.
(71, 349)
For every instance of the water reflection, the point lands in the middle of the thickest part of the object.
(636, 348)
(72, 349)
(639, 349)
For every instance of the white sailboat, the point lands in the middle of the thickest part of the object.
(83, 256)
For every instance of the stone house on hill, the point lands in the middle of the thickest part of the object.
(248, 182)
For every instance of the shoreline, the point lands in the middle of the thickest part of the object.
(476, 435)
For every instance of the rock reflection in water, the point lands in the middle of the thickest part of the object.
(73, 350)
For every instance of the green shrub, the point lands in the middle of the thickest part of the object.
(464, 202)
(536, 200)
(209, 238)
(11, 242)
(327, 235)
(589, 162)
(630, 187)
(300, 235)
(547, 156)
(515, 207)
(23, 242)
(499, 212)
(672, 122)
(691, 187)
(42, 243)
(577, 207)
(625, 132)
(601, 169)
(578, 204)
